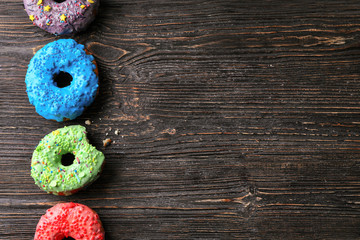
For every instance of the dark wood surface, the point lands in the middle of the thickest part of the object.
(236, 119)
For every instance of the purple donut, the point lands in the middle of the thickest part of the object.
(61, 16)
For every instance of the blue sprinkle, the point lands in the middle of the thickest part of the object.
(77, 177)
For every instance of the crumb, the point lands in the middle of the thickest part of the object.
(117, 132)
(87, 122)
(106, 142)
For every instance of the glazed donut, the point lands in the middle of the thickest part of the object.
(61, 80)
(69, 220)
(64, 162)
(61, 16)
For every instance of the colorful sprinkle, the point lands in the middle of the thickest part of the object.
(77, 176)
(47, 8)
(63, 18)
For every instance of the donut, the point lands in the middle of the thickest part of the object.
(61, 80)
(61, 16)
(69, 220)
(64, 161)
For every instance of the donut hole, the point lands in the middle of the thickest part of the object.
(67, 159)
(62, 79)
(60, 1)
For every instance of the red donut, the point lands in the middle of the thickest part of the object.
(69, 220)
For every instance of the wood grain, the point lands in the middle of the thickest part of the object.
(235, 120)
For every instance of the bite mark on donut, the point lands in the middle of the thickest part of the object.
(60, 175)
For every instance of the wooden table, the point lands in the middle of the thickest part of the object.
(236, 120)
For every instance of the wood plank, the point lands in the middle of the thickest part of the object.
(236, 120)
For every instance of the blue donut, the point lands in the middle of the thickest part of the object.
(61, 80)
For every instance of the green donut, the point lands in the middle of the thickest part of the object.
(46, 164)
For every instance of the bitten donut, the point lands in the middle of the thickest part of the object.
(69, 220)
(64, 162)
(61, 80)
(61, 16)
